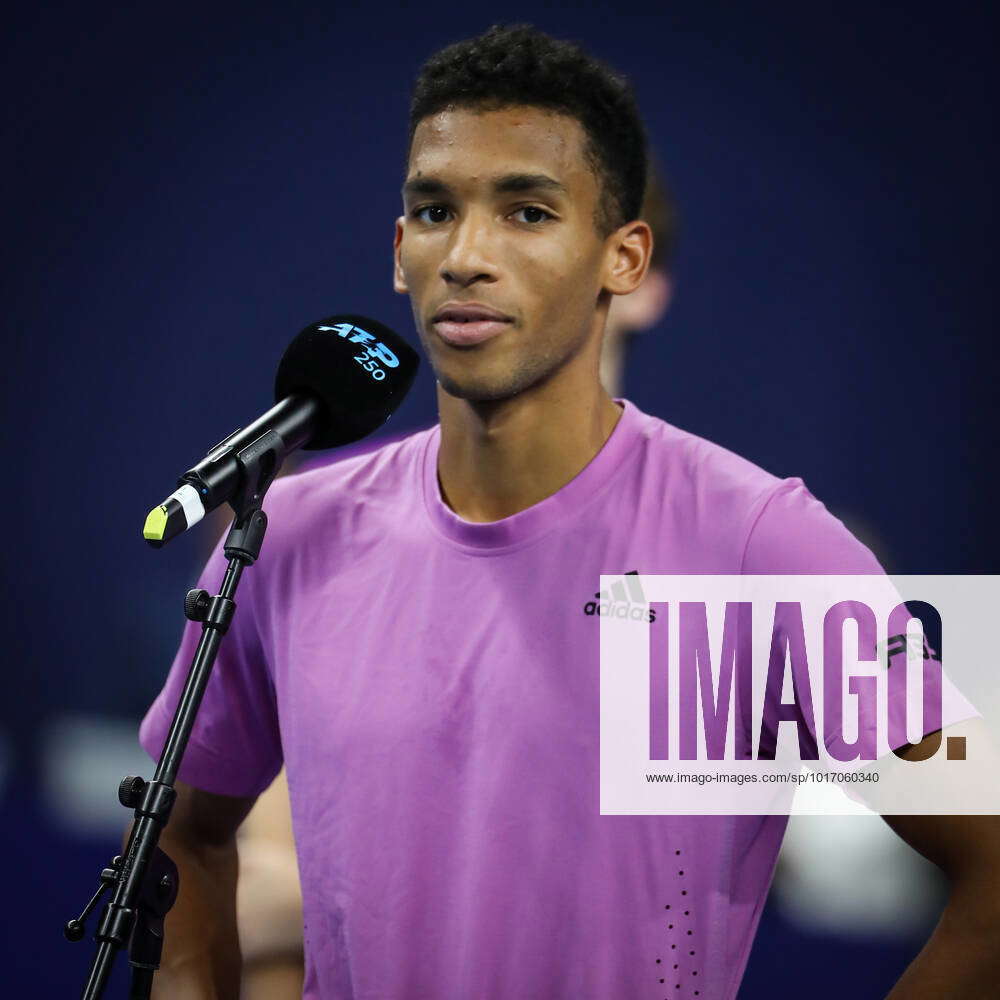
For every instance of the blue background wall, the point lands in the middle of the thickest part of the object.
(187, 186)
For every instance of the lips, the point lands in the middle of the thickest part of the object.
(465, 324)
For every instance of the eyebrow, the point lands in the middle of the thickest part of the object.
(527, 182)
(508, 184)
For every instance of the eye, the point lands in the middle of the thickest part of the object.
(533, 214)
(431, 213)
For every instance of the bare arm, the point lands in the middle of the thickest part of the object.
(961, 960)
(268, 898)
(201, 954)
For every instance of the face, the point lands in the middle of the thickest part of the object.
(499, 252)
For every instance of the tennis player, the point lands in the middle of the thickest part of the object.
(415, 644)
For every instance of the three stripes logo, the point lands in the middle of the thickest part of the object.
(625, 599)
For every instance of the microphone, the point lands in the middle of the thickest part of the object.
(340, 379)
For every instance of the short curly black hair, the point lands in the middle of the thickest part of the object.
(520, 65)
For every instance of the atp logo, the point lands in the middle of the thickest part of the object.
(373, 355)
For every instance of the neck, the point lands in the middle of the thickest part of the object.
(612, 369)
(499, 458)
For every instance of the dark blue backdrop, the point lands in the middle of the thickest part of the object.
(188, 185)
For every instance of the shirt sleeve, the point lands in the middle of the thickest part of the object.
(794, 533)
(235, 746)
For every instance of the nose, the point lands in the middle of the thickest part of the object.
(469, 257)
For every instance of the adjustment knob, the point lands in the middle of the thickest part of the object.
(196, 605)
(130, 791)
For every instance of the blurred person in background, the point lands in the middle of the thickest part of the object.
(269, 897)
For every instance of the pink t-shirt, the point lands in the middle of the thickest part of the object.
(432, 685)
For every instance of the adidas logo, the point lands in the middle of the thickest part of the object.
(625, 600)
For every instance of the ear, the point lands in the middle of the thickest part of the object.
(398, 281)
(628, 252)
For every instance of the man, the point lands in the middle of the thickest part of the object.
(269, 897)
(414, 642)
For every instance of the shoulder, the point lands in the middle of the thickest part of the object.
(365, 466)
(705, 464)
(794, 532)
(776, 524)
(324, 498)
(700, 479)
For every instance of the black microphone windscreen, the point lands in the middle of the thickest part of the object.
(358, 368)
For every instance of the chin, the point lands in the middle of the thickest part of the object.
(476, 390)
(494, 387)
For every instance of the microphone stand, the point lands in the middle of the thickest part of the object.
(144, 879)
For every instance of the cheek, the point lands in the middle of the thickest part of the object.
(414, 267)
(417, 252)
(547, 267)
(565, 280)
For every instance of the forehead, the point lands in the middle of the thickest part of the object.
(469, 144)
